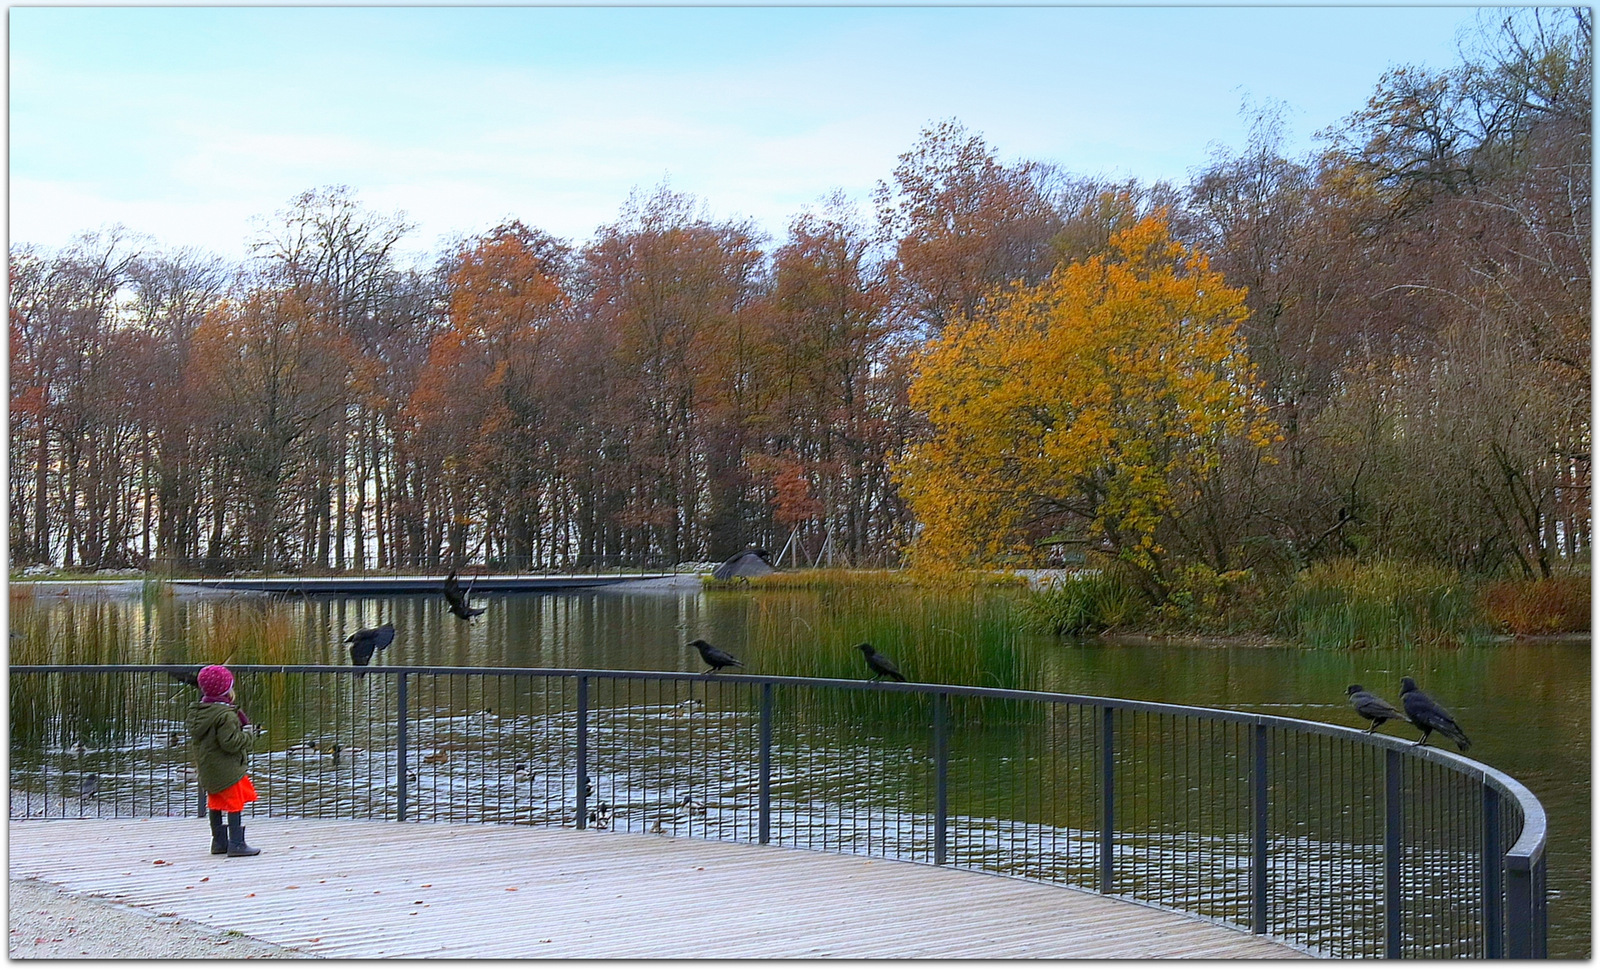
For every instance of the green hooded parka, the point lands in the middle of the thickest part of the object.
(219, 745)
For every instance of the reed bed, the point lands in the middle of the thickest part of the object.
(1537, 607)
(947, 635)
(1381, 603)
(247, 632)
(1083, 604)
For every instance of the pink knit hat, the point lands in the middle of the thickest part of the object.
(215, 680)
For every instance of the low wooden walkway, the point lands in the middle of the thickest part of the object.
(383, 889)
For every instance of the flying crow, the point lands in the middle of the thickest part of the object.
(1372, 707)
(459, 604)
(1428, 716)
(881, 666)
(363, 643)
(715, 659)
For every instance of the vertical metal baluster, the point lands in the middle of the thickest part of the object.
(400, 751)
(583, 752)
(1258, 841)
(941, 768)
(1391, 853)
(765, 783)
(1108, 814)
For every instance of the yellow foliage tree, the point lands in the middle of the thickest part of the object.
(1104, 395)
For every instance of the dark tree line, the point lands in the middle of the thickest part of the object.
(679, 386)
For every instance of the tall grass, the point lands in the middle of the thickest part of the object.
(247, 632)
(90, 631)
(1380, 603)
(1537, 607)
(965, 635)
(1083, 603)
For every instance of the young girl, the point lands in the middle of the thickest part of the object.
(220, 746)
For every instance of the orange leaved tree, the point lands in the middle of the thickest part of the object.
(1095, 405)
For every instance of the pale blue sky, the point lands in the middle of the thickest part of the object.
(185, 122)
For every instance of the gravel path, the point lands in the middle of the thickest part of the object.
(48, 924)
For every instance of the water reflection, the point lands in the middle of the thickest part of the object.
(1490, 689)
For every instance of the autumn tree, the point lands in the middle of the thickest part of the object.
(675, 293)
(506, 302)
(1098, 401)
(74, 380)
(963, 224)
(172, 293)
(835, 418)
(278, 374)
(337, 258)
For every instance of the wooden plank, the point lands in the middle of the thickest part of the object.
(356, 887)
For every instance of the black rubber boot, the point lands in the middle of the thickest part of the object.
(236, 844)
(219, 834)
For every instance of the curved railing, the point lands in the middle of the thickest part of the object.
(1327, 838)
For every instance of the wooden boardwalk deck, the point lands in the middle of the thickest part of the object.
(382, 889)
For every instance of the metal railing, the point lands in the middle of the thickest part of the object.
(1324, 837)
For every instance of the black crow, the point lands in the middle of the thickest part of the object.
(600, 816)
(459, 601)
(190, 677)
(715, 659)
(1428, 716)
(881, 666)
(1372, 707)
(363, 643)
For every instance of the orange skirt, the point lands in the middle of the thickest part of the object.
(233, 798)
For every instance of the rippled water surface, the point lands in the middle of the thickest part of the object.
(1526, 706)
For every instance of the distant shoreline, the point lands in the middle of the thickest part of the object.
(90, 588)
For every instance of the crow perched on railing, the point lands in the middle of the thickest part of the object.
(1430, 717)
(363, 643)
(715, 659)
(459, 602)
(1372, 707)
(881, 666)
(191, 678)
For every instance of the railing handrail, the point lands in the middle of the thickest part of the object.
(1523, 854)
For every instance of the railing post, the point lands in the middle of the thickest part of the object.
(764, 794)
(583, 750)
(1258, 835)
(1519, 910)
(1108, 800)
(1541, 911)
(1392, 768)
(1494, 944)
(401, 791)
(941, 779)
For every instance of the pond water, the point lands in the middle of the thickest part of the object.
(1525, 705)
